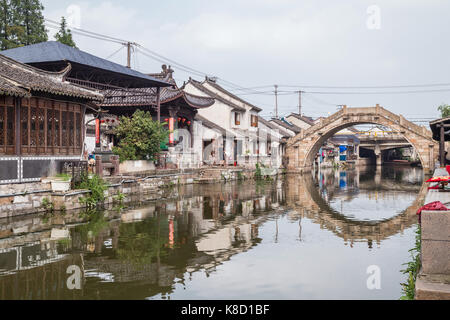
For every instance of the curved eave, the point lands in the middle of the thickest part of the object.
(208, 102)
(70, 94)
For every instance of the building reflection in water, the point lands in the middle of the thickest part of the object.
(147, 250)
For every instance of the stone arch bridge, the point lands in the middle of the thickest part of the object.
(302, 149)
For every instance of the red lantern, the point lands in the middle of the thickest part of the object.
(189, 123)
(166, 119)
(179, 119)
(184, 120)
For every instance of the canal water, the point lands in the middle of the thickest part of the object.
(337, 235)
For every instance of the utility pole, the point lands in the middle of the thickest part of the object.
(276, 101)
(300, 103)
(129, 55)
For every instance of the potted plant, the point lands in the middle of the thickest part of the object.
(247, 155)
(61, 182)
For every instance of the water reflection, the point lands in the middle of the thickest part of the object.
(231, 233)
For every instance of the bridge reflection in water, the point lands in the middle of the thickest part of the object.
(224, 240)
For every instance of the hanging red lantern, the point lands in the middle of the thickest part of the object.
(189, 123)
(184, 120)
(166, 119)
(179, 119)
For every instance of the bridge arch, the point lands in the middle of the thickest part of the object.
(302, 148)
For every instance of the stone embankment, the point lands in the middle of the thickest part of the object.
(28, 198)
(433, 281)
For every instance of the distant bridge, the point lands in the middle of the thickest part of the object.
(302, 149)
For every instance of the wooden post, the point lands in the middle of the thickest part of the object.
(158, 103)
(442, 146)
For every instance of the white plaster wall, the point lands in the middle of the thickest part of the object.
(219, 112)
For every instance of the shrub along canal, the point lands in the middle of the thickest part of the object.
(339, 235)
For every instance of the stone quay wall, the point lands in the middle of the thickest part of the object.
(29, 198)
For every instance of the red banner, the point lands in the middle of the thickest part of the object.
(171, 127)
(97, 131)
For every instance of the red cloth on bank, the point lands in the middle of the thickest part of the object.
(432, 206)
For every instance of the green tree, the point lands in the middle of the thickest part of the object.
(21, 23)
(32, 19)
(139, 137)
(11, 32)
(64, 35)
(445, 110)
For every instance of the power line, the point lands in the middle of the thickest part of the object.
(114, 53)
(79, 30)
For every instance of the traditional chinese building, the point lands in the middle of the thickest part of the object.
(87, 71)
(41, 120)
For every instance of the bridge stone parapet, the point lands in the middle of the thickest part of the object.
(302, 149)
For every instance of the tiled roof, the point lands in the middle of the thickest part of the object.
(273, 127)
(21, 80)
(54, 51)
(291, 127)
(202, 88)
(215, 85)
(147, 96)
(308, 120)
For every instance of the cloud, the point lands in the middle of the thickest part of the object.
(260, 42)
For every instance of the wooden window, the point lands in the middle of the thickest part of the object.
(65, 140)
(50, 125)
(7, 125)
(79, 125)
(254, 120)
(11, 121)
(71, 125)
(57, 116)
(237, 118)
(33, 127)
(41, 126)
(2, 128)
(45, 127)
(24, 125)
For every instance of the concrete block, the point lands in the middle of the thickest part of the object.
(432, 289)
(60, 233)
(436, 256)
(21, 199)
(435, 225)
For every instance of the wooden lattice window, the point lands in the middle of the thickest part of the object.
(41, 126)
(33, 126)
(50, 126)
(65, 140)
(2, 127)
(71, 133)
(57, 116)
(79, 125)
(24, 124)
(7, 125)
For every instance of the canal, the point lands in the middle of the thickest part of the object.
(298, 237)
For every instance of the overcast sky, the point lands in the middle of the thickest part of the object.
(286, 42)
